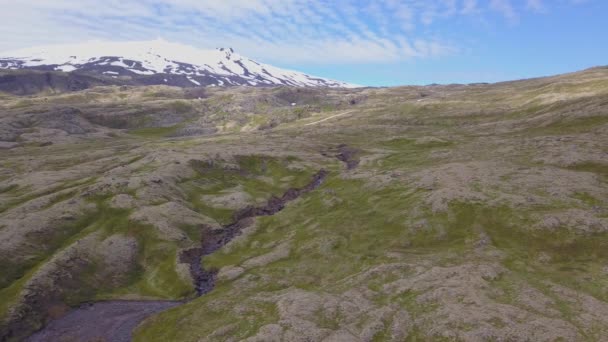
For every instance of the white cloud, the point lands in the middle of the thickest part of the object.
(535, 5)
(286, 31)
(469, 7)
(505, 8)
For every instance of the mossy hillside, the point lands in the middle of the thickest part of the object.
(154, 276)
(571, 126)
(508, 287)
(18, 275)
(215, 316)
(407, 154)
(9, 295)
(333, 235)
(339, 230)
(155, 132)
(600, 169)
(353, 228)
(47, 245)
(259, 176)
(538, 258)
(344, 228)
(9, 188)
(308, 265)
(350, 226)
(20, 195)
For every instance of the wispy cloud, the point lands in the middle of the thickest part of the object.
(536, 5)
(505, 8)
(311, 31)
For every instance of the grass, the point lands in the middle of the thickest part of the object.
(260, 314)
(64, 196)
(571, 126)
(359, 219)
(405, 153)
(181, 107)
(155, 132)
(155, 275)
(8, 188)
(592, 167)
(311, 265)
(46, 246)
(348, 246)
(575, 260)
(587, 199)
(259, 176)
(9, 295)
(22, 273)
(24, 195)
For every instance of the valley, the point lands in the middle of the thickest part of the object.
(446, 212)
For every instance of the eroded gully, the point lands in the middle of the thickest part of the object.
(114, 321)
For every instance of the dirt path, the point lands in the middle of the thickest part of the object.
(328, 118)
(111, 321)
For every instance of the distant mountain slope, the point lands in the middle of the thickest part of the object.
(160, 62)
(30, 82)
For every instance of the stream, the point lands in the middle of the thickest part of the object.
(114, 321)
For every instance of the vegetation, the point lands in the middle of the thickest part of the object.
(476, 212)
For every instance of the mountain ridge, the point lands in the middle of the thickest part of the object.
(162, 62)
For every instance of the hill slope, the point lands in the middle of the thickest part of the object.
(467, 213)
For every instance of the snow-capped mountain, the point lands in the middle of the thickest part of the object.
(160, 62)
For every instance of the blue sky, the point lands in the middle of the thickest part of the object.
(383, 42)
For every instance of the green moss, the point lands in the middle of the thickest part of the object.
(587, 199)
(344, 228)
(399, 143)
(418, 335)
(258, 120)
(573, 260)
(24, 195)
(257, 314)
(409, 144)
(407, 154)
(349, 226)
(46, 246)
(570, 126)
(259, 176)
(8, 188)
(597, 168)
(306, 267)
(61, 198)
(156, 274)
(155, 132)
(192, 231)
(9, 295)
(23, 104)
(181, 107)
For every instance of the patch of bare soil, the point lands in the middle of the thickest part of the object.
(105, 321)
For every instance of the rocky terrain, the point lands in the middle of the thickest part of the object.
(457, 212)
